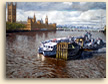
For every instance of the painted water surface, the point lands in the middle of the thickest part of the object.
(23, 60)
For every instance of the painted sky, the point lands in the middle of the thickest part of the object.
(63, 12)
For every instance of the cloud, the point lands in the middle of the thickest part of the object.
(58, 6)
(84, 6)
(92, 15)
(41, 6)
(64, 17)
(67, 3)
(53, 16)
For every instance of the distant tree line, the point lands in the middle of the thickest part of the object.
(14, 26)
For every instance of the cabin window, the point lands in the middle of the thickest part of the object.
(55, 47)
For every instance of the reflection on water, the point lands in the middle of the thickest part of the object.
(23, 60)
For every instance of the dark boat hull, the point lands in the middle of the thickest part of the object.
(49, 53)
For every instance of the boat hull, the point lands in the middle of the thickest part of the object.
(49, 53)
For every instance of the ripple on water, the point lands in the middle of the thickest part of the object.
(23, 60)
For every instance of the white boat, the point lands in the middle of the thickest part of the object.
(49, 49)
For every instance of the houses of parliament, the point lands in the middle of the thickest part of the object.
(32, 23)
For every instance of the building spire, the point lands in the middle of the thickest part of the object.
(46, 20)
(46, 16)
(34, 15)
(34, 18)
(41, 20)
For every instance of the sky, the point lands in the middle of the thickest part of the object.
(63, 12)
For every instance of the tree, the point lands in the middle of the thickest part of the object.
(14, 26)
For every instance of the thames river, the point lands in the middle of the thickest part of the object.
(23, 60)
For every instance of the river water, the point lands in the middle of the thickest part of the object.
(23, 60)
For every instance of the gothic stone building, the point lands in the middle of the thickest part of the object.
(32, 24)
(11, 17)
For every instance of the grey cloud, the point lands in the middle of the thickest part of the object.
(88, 6)
(40, 6)
(50, 6)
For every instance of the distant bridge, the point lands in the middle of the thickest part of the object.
(71, 29)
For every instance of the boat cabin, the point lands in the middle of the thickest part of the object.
(80, 41)
(49, 46)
